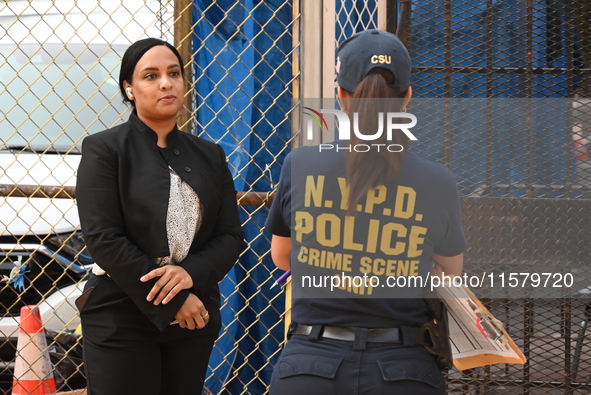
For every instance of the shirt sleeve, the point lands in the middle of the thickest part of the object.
(453, 241)
(279, 220)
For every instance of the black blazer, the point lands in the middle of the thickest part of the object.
(122, 191)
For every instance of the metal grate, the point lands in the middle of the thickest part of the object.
(501, 90)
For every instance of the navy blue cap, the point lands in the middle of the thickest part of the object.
(364, 51)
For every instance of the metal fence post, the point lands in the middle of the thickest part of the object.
(183, 42)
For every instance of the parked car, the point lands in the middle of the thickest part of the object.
(58, 83)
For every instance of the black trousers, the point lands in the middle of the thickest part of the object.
(124, 353)
(326, 366)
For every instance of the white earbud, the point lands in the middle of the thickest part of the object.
(129, 94)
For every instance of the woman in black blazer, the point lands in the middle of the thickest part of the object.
(158, 212)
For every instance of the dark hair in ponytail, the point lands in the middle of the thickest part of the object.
(366, 170)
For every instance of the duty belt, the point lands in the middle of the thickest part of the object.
(405, 335)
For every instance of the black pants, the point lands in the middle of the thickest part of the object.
(325, 367)
(124, 353)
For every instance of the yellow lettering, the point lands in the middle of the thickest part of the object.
(415, 240)
(340, 281)
(381, 59)
(325, 259)
(405, 202)
(414, 268)
(365, 265)
(378, 266)
(357, 289)
(356, 285)
(387, 237)
(344, 192)
(322, 260)
(313, 191)
(303, 254)
(328, 230)
(346, 265)
(348, 235)
(314, 257)
(360, 285)
(334, 261)
(347, 262)
(372, 235)
(375, 196)
(304, 224)
(402, 268)
(391, 268)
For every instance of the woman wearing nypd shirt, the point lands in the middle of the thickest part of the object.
(368, 214)
(158, 212)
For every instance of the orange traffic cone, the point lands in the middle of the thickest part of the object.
(32, 370)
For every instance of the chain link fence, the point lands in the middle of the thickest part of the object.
(501, 92)
(59, 62)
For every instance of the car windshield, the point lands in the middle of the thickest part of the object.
(51, 96)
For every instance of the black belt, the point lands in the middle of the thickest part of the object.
(374, 335)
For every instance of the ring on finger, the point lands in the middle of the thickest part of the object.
(206, 314)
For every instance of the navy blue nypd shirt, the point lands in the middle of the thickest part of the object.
(369, 269)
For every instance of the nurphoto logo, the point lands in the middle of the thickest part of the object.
(391, 120)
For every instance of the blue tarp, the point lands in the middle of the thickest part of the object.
(243, 72)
